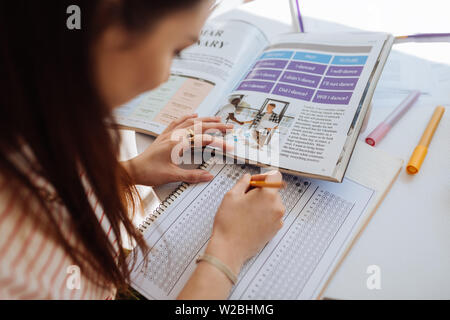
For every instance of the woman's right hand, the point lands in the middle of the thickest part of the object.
(246, 221)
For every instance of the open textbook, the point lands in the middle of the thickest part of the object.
(297, 102)
(321, 223)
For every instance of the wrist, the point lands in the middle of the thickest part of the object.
(222, 250)
(130, 168)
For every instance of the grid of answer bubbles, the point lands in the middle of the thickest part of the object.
(183, 240)
(295, 189)
(285, 275)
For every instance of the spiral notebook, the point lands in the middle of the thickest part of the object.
(322, 221)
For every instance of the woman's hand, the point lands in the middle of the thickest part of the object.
(246, 221)
(157, 164)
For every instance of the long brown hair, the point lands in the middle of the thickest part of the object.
(49, 102)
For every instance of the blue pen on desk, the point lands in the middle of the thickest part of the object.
(424, 37)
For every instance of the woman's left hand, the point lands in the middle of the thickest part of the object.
(157, 165)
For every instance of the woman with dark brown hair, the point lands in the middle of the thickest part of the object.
(65, 199)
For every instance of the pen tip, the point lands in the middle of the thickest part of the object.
(411, 169)
(370, 142)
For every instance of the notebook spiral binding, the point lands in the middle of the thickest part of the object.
(164, 205)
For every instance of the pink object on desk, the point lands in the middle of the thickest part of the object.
(383, 128)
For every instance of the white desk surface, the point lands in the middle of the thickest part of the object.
(409, 236)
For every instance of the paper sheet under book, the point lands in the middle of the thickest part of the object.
(320, 220)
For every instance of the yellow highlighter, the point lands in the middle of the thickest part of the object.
(422, 148)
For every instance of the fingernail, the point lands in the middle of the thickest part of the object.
(272, 172)
(206, 176)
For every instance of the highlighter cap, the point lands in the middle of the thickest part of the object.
(416, 160)
(376, 135)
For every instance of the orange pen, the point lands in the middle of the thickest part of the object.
(418, 156)
(264, 184)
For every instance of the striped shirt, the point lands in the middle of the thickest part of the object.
(32, 264)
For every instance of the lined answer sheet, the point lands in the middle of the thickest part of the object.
(319, 218)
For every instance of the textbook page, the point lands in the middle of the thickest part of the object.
(319, 222)
(199, 78)
(299, 99)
